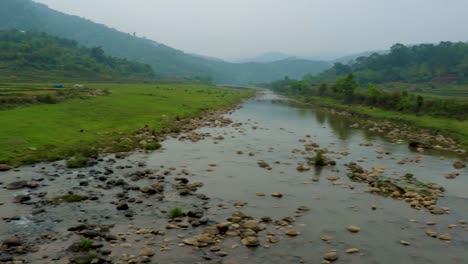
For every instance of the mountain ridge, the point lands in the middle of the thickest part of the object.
(166, 61)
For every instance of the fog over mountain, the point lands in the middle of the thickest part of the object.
(234, 30)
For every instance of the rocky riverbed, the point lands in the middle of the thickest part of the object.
(244, 187)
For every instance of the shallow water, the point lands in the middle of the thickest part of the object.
(279, 126)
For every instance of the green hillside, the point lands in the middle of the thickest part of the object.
(30, 55)
(442, 64)
(166, 61)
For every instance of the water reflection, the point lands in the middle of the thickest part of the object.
(321, 117)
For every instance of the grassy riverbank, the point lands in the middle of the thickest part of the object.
(40, 132)
(451, 127)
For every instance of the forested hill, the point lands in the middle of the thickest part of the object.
(444, 63)
(27, 55)
(166, 61)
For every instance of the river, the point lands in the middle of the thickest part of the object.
(274, 131)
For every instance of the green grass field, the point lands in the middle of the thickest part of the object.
(42, 132)
(454, 128)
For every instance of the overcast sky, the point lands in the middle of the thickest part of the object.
(233, 29)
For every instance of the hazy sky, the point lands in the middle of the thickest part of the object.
(233, 29)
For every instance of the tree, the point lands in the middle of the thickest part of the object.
(419, 103)
(322, 89)
(346, 86)
(98, 54)
(373, 94)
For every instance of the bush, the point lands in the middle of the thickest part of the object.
(85, 244)
(123, 146)
(71, 198)
(319, 159)
(77, 162)
(152, 146)
(47, 99)
(175, 212)
(87, 151)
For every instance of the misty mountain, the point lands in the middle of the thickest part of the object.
(352, 57)
(166, 62)
(267, 57)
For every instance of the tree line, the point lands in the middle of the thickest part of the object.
(345, 89)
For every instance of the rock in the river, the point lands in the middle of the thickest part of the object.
(16, 185)
(331, 256)
(352, 250)
(292, 233)
(418, 144)
(445, 237)
(12, 242)
(21, 198)
(190, 241)
(277, 194)
(250, 241)
(146, 252)
(263, 164)
(353, 229)
(327, 238)
(405, 243)
(215, 248)
(4, 167)
(206, 239)
(240, 203)
(459, 165)
(122, 206)
(302, 167)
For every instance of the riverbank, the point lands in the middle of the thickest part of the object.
(457, 130)
(125, 117)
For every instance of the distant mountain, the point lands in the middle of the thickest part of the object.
(350, 58)
(165, 61)
(267, 57)
(32, 55)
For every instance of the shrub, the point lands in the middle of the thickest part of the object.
(319, 159)
(87, 151)
(123, 146)
(152, 146)
(175, 212)
(71, 198)
(85, 244)
(77, 162)
(47, 99)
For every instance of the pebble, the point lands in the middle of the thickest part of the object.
(250, 241)
(353, 229)
(405, 243)
(215, 248)
(445, 237)
(147, 252)
(331, 256)
(292, 233)
(352, 250)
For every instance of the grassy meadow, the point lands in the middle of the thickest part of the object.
(44, 132)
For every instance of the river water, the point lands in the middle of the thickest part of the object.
(272, 130)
